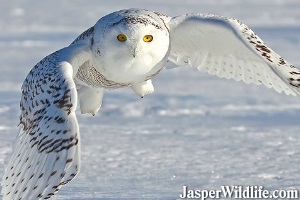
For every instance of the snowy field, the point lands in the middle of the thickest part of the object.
(195, 130)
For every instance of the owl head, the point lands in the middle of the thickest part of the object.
(130, 45)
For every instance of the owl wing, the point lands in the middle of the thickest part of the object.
(228, 48)
(46, 155)
(85, 37)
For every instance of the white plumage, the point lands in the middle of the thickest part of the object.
(124, 49)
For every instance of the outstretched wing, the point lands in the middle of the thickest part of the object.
(47, 151)
(228, 48)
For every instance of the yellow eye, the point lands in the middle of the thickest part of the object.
(121, 37)
(148, 38)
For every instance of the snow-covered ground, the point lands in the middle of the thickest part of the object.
(195, 130)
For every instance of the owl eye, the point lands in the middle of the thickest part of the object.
(121, 37)
(148, 38)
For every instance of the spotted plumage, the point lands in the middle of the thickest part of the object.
(49, 133)
(47, 151)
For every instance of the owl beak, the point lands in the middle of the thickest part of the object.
(133, 50)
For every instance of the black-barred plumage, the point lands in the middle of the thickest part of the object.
(47, 151)
(49, 133)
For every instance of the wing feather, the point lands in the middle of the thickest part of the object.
(47, 153)
(227, 48)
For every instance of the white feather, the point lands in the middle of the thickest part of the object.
(228, 48)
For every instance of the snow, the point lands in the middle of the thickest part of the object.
(195, 130)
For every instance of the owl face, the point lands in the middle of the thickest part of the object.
(129, 48)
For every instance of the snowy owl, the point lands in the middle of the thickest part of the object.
(123, 49)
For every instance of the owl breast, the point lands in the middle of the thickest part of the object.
(89, 76)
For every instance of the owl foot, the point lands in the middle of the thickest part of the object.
(90, 99)
(143, 88)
